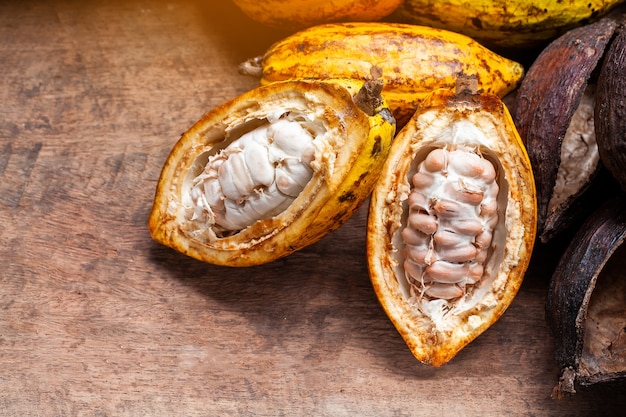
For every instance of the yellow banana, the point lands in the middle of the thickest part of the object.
(413, 60)
(304, 13)
(504, 23)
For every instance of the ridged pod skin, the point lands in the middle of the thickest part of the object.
(413, 60)
(610, 109)
(586, 301)
(546, 103)
(304, 13)
(437, 326)
(342, 161)
(505, 23)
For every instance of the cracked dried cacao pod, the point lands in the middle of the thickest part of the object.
(554, 114)
(452, 223)
(272, 171)
(610, 108)
(586, 302)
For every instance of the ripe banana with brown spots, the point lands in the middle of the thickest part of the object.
(413, 60)
(504, 23)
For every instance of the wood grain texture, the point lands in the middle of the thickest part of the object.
(98, 320)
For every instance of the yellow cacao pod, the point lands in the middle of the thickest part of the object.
(451, 224)
(413, 60)
(303, 13)
(272, 171)
(504, 23)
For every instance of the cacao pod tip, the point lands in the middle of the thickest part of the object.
(565, 385)
(252, 67)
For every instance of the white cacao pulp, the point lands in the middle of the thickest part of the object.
(452, 222)
(452, 214)
(449, 244)
(257, 176)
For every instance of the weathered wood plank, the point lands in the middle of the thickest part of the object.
(97, 319)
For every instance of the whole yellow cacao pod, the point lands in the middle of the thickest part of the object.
(303, 13)
(452, 223)
(413, 60)
(504, 23)
(272, 171)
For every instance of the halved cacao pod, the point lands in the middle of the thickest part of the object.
(586, 303)
(554, 114)
(452, 223)
(272, 171)
(610, 109)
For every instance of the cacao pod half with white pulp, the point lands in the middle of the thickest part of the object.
(554, 115)
(452, 223)
(272, 171)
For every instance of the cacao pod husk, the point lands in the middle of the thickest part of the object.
(555, 98)
(610, 109)
(586, 302)
(505, 24)
(298, 14)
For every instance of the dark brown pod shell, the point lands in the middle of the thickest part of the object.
(546, 102)
(610, 109)
(586, 304)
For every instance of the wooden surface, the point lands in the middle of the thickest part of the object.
(98, 320)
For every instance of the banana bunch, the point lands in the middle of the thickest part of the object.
(504, 23)
(411, 60)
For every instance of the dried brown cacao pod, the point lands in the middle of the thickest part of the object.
(586, 303)
(610, 109)
(554, 114)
